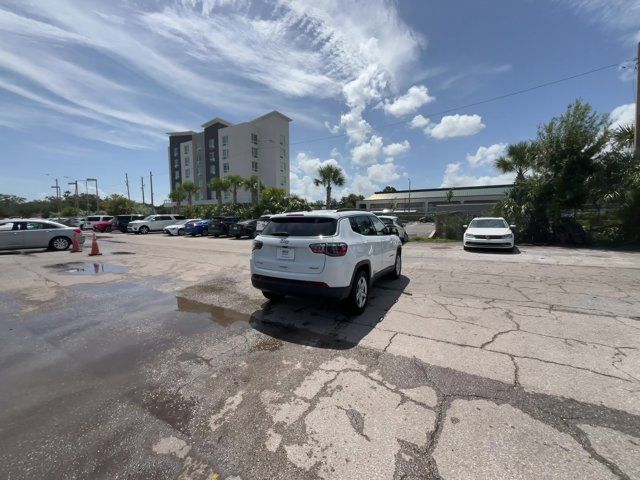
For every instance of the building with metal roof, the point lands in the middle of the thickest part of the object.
(476, 199)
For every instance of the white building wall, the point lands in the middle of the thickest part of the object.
(274, 151)
(237, 151)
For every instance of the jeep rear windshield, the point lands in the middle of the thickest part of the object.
(301, 227)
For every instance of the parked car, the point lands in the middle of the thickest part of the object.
(245, 228)
(197, 227)
(120, 222)
(324, 253)
(262, 222)
(37, 233)
(74, 222)
(153, 223)
(391, 221)
(102, 227)
(489, 232)
(92, 220)
(178, 228)
(220, 225)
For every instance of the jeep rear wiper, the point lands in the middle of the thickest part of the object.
(280, 234)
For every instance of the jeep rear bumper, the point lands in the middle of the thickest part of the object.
(298, 288)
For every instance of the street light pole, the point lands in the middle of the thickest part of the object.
(409, 195)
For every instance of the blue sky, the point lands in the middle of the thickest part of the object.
(89, 88)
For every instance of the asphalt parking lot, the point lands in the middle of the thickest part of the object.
(159, 360)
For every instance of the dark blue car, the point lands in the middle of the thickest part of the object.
(197, 227)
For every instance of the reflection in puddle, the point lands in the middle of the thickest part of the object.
(221, 316)
(88, 268)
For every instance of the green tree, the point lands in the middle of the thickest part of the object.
(190, 189)
(449, 195)
(520, 158)
(219, 186)
(178, 195)
(118, 204)
(389, 189)
(350, 201)
(329, 175)
(69, 211)
(623, 136)
(253, 184)
(235, 182)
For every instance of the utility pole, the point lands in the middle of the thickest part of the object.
(57, 187)
(637, 131)
(75, 182)
(142, 188)
(153, 207)
(126, 181)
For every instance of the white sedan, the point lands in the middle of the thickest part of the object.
(177, 228)
(489, 232)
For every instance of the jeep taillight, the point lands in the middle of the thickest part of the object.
(331, 249)
(257, 245)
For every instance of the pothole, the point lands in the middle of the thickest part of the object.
(221, 316)
(86, 268)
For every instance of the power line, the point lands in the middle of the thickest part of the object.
(486, 100)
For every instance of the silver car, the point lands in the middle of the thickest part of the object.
(22, 233)
(392, 221)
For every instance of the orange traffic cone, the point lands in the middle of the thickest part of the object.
(94, 247)
(75, 246)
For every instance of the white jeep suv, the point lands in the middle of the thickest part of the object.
(325, 253)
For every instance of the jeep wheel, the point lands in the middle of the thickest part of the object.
(397, 269)
(273, 297)
(359, 295)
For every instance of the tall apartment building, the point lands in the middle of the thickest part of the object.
(258, 147)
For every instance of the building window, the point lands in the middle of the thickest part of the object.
(175, 151)
(225, 153)
(254, 166)
(212, 143)
(212, 157)
(225, 167)
(227, 195)
(186, 161)
(254, 138)
(187, 172)
(225, 139)
(212, 169)
(177, 175)
(254, 152)
(186, 148)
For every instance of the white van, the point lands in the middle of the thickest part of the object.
(91, 221)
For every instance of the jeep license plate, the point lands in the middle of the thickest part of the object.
(285, 253)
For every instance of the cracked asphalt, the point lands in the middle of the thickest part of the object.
(159, 360)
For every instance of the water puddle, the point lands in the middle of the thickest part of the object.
(121, 253)
(222, 316)
(86, 268)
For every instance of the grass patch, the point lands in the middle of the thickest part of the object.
(431, 240)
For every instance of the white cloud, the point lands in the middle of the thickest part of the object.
(395, 149)
(454, 177)
(416, 96)
(487, 155)
(368, 152)
(383, 172)
(623, 115)
(449, 126)
(618, 14)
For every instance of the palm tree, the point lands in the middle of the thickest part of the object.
(624, 135)
(235, 182)
(219, 185)
(253, 184)
(327, 176)
(520, 158)
(190, 188)
(178, 195)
